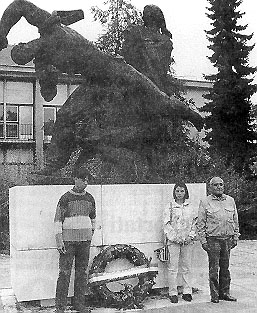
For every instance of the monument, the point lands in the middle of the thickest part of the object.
(120, 117)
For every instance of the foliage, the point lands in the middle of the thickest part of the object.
(184, 158)
(4, 222)
(118, 15)
(229, 100)
(4, 214)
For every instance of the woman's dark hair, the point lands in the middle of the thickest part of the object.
(182, 185)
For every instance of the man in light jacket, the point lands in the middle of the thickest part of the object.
(218, 230)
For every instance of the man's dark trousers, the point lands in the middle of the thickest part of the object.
(80, 250)
(219, 275)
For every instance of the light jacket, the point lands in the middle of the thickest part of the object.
(179, 222)
(217, 217)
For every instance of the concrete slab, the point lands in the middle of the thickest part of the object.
(5, 278)
(34, 257)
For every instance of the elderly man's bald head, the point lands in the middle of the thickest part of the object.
(216, 179)
(217, 186)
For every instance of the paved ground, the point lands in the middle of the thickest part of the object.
(243, 286)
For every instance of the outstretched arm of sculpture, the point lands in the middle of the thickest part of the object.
(62, 48)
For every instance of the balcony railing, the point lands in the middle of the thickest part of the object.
(22, 132)
(26, 132)
(16, 132)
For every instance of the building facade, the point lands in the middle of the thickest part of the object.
(26, 119)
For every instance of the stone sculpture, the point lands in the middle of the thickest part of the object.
(117, 112)
(148, 48)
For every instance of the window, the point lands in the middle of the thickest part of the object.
(26, 122)
(49, 120)
(16, 110)
(1, 120)
(16, 122)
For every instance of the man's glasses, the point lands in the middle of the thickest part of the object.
(217, 184)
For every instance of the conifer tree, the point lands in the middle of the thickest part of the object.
(229, 102)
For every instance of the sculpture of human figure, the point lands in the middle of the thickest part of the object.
(148, 47)
(61, 48)
(136, 110)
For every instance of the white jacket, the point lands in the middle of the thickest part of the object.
(179, 222)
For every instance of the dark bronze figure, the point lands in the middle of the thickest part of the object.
(118, 109)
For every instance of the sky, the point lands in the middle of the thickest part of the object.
(186, 20)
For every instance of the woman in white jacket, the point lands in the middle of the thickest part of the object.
(180, 233)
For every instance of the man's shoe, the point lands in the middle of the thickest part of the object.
(215, 300)
(227, 297)
(173, 299)
(187, 297)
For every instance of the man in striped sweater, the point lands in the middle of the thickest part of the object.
(74, 226)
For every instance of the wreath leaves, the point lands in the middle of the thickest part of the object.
(131, 297)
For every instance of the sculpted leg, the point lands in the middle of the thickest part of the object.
(13, 13)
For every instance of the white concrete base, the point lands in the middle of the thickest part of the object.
(126, 214)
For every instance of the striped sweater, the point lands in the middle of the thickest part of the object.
(75, 217)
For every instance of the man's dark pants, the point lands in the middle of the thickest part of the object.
(219, 275)
(79, 250)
